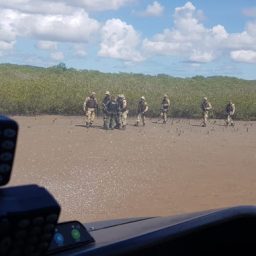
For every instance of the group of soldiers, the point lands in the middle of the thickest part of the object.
(115, 110)
(206, 106)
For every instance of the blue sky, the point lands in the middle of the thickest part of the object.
(175, 37)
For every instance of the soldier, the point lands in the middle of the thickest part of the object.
(205, 106)
(113, 112)
(123, 111)
(104, 108)
(90, 107)
(164, 108)
(142, 109)
(230, 111)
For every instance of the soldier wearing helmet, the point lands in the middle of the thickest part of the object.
(164, 108)
(104, 103)
(230, 111)
(90, 106)
(122, 102)
(205, 106)
(142, 109)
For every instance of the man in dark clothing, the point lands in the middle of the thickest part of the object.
(113, 111)
(230, 111)
(105, 101)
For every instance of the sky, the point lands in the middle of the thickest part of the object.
(173, 37)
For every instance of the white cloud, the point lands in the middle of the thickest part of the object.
(79, 50)
(58, 56)
(38, 6)
(77, 27)
(62, 6)
(47, 45)
(247, 56)
(199, 56)
(192, 41)
(120, 41)
(6, 45)
(154, 9)
(99, 5)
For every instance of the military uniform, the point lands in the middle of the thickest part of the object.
(113, 111)
(90, 107)
(230, 111)
(205, 106)
(142, 109)
(164, 108)
(104, 108)
(123, 111)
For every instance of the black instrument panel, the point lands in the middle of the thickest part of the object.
(69, 235)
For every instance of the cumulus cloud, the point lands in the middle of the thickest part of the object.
(57, 56)
(199, 56)
(62, 6)
(120, 41)
(98, 5)
(38, 6)
(154, 9)
(194, 42)
(248, 56)
(77, 27)
(79, 50)
(47, 45)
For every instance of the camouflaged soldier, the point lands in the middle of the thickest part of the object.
(123, 111)
(205, 106)
(230, 111)
(164, 108)
(105, 101)
(90, 107)
(113, 112)
(142, 109)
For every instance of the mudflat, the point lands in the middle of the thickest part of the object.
(159, 169)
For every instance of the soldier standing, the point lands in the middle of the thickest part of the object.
(142, 109)
(123, 111)
(164, 108)
(90, 107)
(205, 106)
(113, 112)
(104, 108)
(230, 111)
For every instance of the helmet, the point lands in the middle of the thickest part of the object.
(205, 98)
(121, 96)
(165, 96)
(107, 93)
(142, 97)
(93, 93)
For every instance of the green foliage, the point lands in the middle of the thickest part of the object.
(59, 90)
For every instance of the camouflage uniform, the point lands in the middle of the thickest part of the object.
(90, 107)
(164, 108)
(205, 106)
(113, 112)
(104, 108)
(230, 111)
(142, 109)
(123, 111)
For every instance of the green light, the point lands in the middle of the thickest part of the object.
(76, 234)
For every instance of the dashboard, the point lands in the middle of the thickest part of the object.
(216, 232)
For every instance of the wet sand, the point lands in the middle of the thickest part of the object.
(144, 171)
